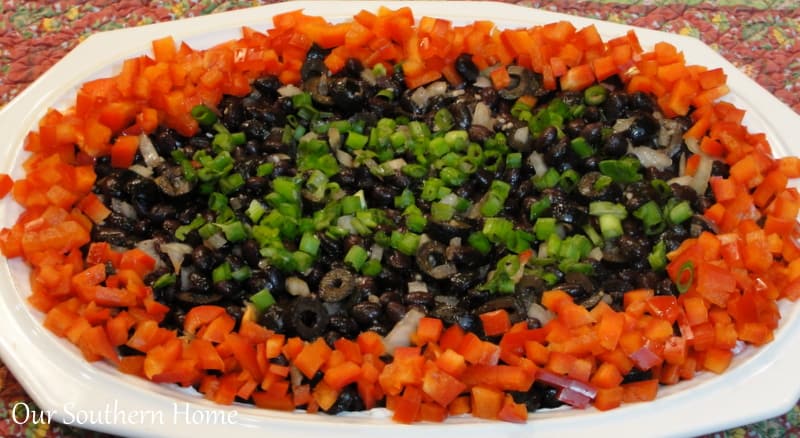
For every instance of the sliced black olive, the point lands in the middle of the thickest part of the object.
(267, 86)
(275, 318)
(347, 93)
(522, 82)
(336, 285)
(314, 64)
(432, 260)
(319, 87)
(196, 298)
(309, 318)
(444, 231)
(172, 182)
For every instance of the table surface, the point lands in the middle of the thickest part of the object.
(760, 37)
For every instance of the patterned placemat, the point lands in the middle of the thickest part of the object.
(760, 37)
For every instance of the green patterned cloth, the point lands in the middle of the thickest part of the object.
(760, 37)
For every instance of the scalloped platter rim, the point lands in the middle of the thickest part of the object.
(758, 385)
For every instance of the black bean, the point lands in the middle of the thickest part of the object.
(466, 68)
(161, 212)
(344, 324)
(615, 105)
(394, 311)
(203, 258)
(366, 313)
(643, 129)
(423, 299)
(615, 146)
(574, 127)
(267, 86)
(592, 132)
(381, 195)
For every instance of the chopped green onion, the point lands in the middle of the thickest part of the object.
(658, 256)
(498, 229)
(355, 140)
(221, 273)
(241, 274)
(569, 179)
(262, 299)
(265, 169)
(183, 230)
(581, 147)
(492, 205)
(650, 215)
(624, 170)
(371, 268)
(217, 201)
(680, 212)
(406, 243)
(204, 115)
(514, 160)
(443, 120)
(354, 203)
(550, 179)
(595, 95)
(442, 212)
(356, 257)
(610, 226)
(165, 280)
(234, 231)
(414, 170)
(480, 242)
(405, 199)
(600, 208)
(544, 227)
(539, 207)
(309, 243)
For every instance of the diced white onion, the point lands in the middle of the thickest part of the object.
(684, 180)
(536, 160)
(345, 222)
(538, 312)
(297, 287)
(437, 88)
(483, 82)
(400, 335)
(176, 252)
(417, 286)
(334, 138)
(121, 207)
(368, 75)
(596, 253)
(420, 97)
(149, 152)
(622, 124)
(289, 90)
(216, 241)
(396, 164)
(650, 157)
(149, 247)
(703, 173)
(482, 116)
(344, 158)
(141, 170)
(521, 136)
(376, 252)
(443, 271)
(450, 199)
